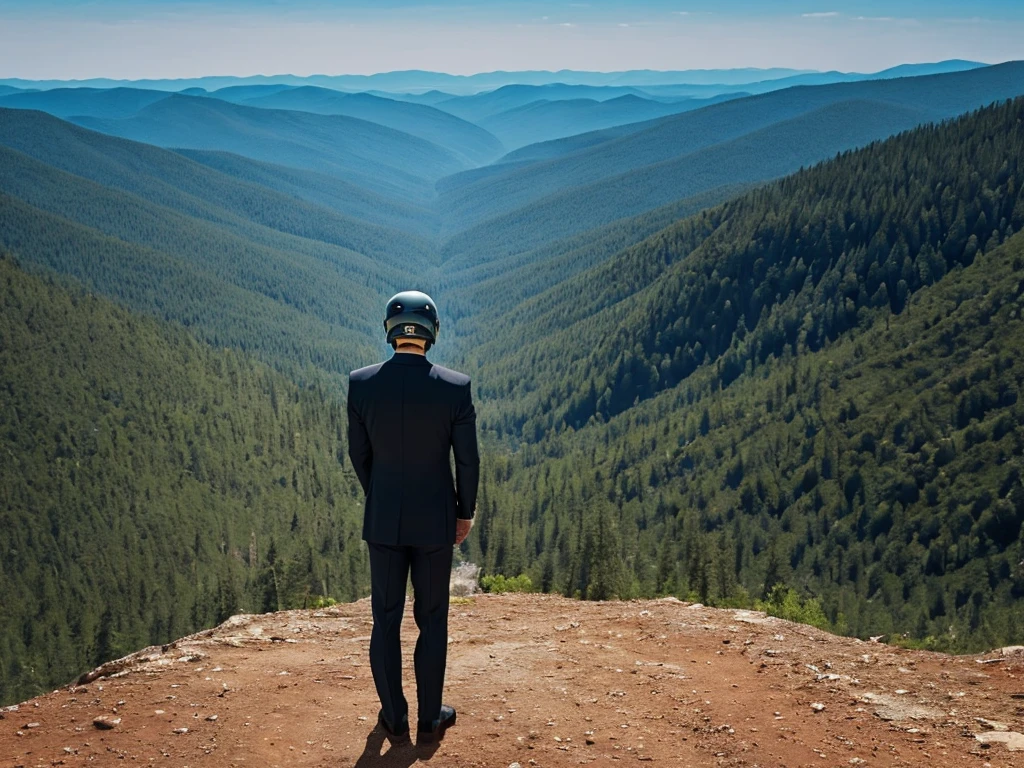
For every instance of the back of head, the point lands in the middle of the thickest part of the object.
(411, 315)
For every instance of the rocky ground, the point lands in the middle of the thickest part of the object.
(538, 681)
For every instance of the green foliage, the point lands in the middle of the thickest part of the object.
(498, 583)
(786, 603)
(320, 601)
(787, 268)
(863, 452)
(152, 486)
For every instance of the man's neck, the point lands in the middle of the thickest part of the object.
(412, 349)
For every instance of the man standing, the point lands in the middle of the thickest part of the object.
(405, 416)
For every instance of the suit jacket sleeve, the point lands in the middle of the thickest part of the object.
(467, 456)
(360, 452)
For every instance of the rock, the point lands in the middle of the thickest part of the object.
(31, 725)
(895, 709)
(106, 722)
(1014, 741)
(818, 706)
(992, 725)
(212, 718)
(514, 765)
(181, 730)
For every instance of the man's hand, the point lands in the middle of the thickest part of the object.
(462, 529)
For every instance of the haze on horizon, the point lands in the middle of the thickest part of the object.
(80, 39)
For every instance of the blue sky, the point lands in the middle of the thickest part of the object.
(42, 39)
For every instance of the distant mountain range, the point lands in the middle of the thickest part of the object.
(418, 81)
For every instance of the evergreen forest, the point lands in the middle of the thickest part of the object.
(740, 349)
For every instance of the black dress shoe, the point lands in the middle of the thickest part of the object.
(397, 733)
(429, 731)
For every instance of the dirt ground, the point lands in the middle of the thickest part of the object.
(538, 681)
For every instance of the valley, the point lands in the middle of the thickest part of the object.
(742, 340)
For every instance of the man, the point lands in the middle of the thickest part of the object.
(404, 417)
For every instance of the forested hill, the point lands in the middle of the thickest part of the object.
(799, 262)
(881, 474)
(241, 264)
(816, 385)
(719, 387)
(151, 486)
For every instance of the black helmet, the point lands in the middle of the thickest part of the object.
(411, 314)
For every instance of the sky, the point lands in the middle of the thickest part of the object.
(79, 39)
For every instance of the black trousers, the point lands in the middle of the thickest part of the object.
(389, 570)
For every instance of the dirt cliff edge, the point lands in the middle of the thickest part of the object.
(539, 681)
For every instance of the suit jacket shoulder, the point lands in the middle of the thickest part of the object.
(364, 373)
(449, 375)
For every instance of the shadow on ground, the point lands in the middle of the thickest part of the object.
(400, 755)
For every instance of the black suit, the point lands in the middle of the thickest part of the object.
(405, 417)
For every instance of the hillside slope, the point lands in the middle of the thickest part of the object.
(875, 466)
(322, 190)
(167, 179)
(479, 106)
(464, 139)
(367, 154)
(545, 120)
(539, 679)
(935, 97)
(777, 150)
(152, 485)
(68, 102)
(739, 269)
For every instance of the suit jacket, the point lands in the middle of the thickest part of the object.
(405, 415)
